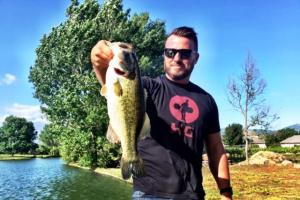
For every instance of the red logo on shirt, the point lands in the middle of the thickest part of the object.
(185, 111)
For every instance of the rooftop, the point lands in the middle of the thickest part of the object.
(257, 140)
(295, 139)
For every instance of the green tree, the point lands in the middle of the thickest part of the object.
(63, 78)
(246, 96)
(2, 141)
(275, 138)
(49, 138)
(18, 135)
(233, 134)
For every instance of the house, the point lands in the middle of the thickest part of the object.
(291, 141)
(255, 140)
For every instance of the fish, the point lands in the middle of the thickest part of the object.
(126, 106)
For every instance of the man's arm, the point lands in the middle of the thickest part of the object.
(101, 54)
(218, 162)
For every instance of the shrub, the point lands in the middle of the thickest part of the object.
(109, 154)
(236, 153)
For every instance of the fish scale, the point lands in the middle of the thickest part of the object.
(126, 107)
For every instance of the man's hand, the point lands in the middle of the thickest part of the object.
(101, 55)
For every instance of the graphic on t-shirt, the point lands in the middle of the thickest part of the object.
(185, 111)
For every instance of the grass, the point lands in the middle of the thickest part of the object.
(114, 172)
(258, 182)
(249, 182)
(15, 157)
(21, 156)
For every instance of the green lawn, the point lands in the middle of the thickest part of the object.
(21, 156)
(15, 157)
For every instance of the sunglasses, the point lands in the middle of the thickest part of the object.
(183, 53)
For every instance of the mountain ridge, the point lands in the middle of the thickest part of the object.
(294, 126)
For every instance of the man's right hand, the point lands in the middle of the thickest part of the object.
(101, 55)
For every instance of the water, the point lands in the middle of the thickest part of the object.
(51, 179)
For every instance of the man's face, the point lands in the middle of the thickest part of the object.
(178, 66)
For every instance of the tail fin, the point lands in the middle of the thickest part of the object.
(135, 168)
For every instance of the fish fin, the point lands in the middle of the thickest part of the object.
(145, 95)
(138, 168)
(135, 168)
(103, 90)
(111, 135)
(118, 89)
(145, 131)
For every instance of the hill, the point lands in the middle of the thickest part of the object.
(295, 127)
(261, 131)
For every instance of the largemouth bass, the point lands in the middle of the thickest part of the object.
(126, 107)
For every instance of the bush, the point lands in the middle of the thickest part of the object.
(109, 154)
(236, 153)
(277, 149)
(85, 160)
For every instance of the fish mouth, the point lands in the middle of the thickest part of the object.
(120, 72)
(126, 74)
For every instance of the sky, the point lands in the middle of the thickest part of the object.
(227, 31)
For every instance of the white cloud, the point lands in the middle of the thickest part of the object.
(8, 79)
(29, 112)
(2, 118)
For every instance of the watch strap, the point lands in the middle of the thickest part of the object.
(227, 189)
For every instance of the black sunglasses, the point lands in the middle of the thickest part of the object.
(183, 53)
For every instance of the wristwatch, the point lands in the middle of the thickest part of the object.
(227, 189)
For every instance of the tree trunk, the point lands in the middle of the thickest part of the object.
(246, 131)
(246, 148)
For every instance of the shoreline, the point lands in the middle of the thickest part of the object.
(8, 157)
(112, 172)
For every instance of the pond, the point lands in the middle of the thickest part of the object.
(52, 179)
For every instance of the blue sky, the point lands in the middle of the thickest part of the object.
(227, 31)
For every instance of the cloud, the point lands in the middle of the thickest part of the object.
(2, 118)
(29, 112)
(8, 79)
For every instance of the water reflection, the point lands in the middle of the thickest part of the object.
(51, 179)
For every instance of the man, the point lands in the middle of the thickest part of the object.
(183, 118)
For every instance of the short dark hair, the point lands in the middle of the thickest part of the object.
(186, 32)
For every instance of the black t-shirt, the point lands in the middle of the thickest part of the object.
(181, 116)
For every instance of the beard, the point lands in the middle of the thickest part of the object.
(178, 75)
